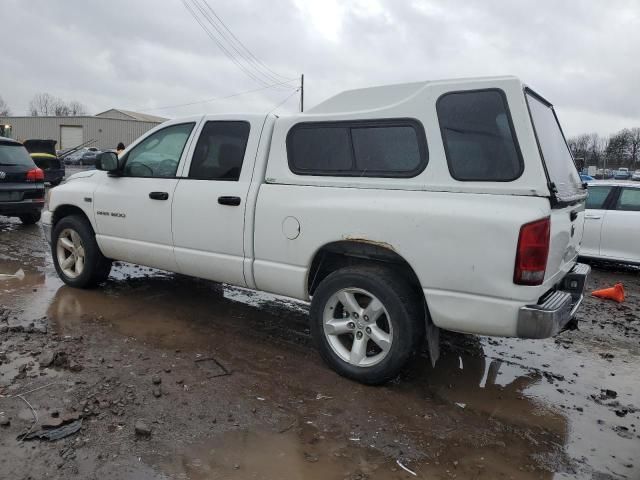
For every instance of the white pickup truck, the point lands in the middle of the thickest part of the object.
(395, 210)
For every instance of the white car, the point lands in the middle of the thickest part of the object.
(636, 175)
(396, 210)
(612, 222)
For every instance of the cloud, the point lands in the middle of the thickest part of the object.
(149, 53)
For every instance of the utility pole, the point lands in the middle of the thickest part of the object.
(302, 92)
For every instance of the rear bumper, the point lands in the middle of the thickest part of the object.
(550, 316)
(18, 208)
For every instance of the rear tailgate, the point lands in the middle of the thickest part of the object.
(568, 194)
(566, 235)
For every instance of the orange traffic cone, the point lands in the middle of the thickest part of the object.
(614, 293)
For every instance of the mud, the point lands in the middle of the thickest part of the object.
(229, 385)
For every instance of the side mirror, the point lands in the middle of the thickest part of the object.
(107, 161)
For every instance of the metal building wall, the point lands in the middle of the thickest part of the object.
(106, 131)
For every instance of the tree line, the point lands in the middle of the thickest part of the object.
(620, 149)
(47, 105)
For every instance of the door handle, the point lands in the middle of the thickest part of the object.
(232, 201)
(593, 217)
(159, 196)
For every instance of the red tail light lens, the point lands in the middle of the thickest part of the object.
(35, 175)
(532, 253)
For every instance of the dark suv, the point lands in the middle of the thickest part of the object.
(21, 183)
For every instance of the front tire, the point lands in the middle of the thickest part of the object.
(366, 322)
(30, 218)
(76, 255)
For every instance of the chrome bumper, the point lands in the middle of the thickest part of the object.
(551, 315)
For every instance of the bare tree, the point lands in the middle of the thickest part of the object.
(579, 145)
(42, 105)
(633, 147)
(60, 108)
(45, 104)
(595, 150)
(5, 111)
(617, 149)
(76, 108)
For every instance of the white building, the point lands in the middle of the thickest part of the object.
(106, 129)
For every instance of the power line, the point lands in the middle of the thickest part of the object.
(226, 52)
(242, 45)
(208, 100)
(250, 59)
(242, 60)
(285, 100)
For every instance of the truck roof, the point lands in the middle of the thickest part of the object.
(374, 98)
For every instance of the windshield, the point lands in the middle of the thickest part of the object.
(11, 154)
(555, 152)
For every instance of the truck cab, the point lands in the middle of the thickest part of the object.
(396, 211)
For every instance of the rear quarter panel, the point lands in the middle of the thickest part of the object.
(458, 244)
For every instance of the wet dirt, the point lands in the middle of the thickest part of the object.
(229, 386)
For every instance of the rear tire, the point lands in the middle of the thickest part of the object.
(370, 309)
(76, 255)
(30, 218)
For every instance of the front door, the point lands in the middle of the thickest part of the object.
(211, 199)
(133, 210)
(621, 227)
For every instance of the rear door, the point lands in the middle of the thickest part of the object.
(567, 190)
(596, 210)
(621, 227)
(210, 201)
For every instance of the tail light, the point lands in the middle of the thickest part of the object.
(35, 175)
(532, 253)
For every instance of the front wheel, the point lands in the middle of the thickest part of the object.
(76, 255)
(366, 322)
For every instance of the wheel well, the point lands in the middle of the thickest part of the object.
(66, 210)
(336, 255)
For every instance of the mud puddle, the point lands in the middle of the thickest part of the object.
(271, 456)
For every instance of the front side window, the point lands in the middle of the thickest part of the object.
(368, 148)
(159, 154)
(629, 200)
(597, 196)
(478, 136)
(220, 151)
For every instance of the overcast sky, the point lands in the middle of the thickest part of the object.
(144, 54)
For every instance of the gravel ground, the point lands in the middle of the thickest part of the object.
(171, 377)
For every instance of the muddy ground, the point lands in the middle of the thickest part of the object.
(224, 383)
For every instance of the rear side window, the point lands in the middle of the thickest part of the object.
(629, 200)
(378, 148)
(320, 149)
(597, 196)
(220, 151)
(478, 136)
(13, 155)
